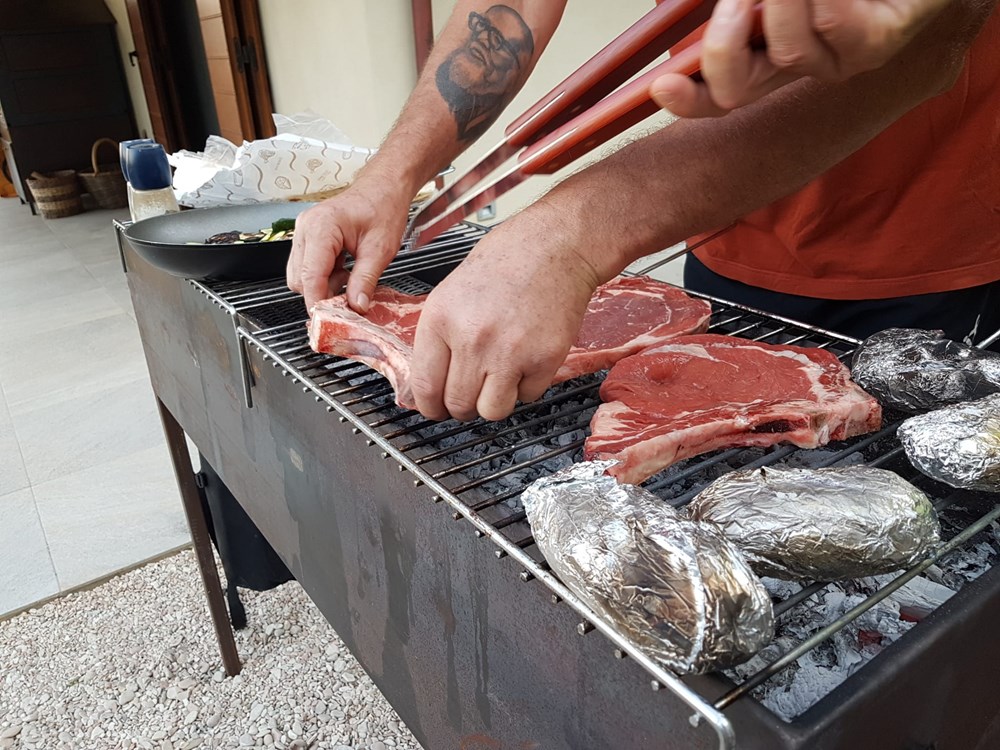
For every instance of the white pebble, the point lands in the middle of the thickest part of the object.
(147, 696)
(246, 740)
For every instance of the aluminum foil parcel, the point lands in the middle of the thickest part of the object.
(958, 445)
(821, 524)
(916, 370)
(678, 588)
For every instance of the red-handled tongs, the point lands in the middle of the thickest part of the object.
(578, 115)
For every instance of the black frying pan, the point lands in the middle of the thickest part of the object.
(162, 241)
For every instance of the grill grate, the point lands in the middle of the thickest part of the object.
(447, 456)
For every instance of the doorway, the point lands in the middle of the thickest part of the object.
(203, 70)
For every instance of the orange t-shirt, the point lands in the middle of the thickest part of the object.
(915, 211)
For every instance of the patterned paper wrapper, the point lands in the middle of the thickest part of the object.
(309, 159)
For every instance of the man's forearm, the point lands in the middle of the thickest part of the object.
(698, 175)
(477, 65)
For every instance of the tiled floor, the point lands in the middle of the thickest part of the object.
(85, 481)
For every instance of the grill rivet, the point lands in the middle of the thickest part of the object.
(356, 430)
(329, 409)
(527, 575)
(556, 598)
(417, 483)
(655, 684)
(479, 533)
(619, 654)
(385, 454)
(501, 554)
(369, 442)
(342, 418)
(436, 498)
(584, 627)
(401, 467)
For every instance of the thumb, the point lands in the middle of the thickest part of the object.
(375, 252)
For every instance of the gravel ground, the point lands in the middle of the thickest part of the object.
(134, 664)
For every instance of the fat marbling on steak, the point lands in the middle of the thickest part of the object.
(702, 393)
(623, 317)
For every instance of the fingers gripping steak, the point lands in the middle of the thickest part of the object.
(624, 316)
(702, 393)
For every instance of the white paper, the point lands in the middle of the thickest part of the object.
(309, 156)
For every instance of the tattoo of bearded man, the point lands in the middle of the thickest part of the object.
(478, 79)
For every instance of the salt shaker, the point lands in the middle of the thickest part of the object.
(149, 175)
(123, 147)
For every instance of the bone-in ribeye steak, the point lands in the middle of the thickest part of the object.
(624, 316)
(706, 392)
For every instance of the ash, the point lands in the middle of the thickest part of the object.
(817, 672)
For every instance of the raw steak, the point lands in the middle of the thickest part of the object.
(382, 339)
(706, 392)
(624, 316)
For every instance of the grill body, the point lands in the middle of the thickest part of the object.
(471, 652)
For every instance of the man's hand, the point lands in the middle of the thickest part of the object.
(497, 329)
(367, 221)
(832, 40)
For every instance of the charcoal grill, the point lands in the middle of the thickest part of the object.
(408, 536)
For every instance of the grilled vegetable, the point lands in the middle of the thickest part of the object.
(282, 229)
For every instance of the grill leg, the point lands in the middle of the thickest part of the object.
(199, 536)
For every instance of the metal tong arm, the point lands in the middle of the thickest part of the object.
(595, 126)
(656, 32)
(621, 110)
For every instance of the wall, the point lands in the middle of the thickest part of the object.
(349, 60)
(126, 45)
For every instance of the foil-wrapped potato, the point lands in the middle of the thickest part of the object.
(679, 589)
(958, 445)
(916, 370)
(821, 524)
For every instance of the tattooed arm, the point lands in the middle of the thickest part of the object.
(481, 59)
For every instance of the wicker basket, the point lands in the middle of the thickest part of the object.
(107, 187)
(56, 194)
